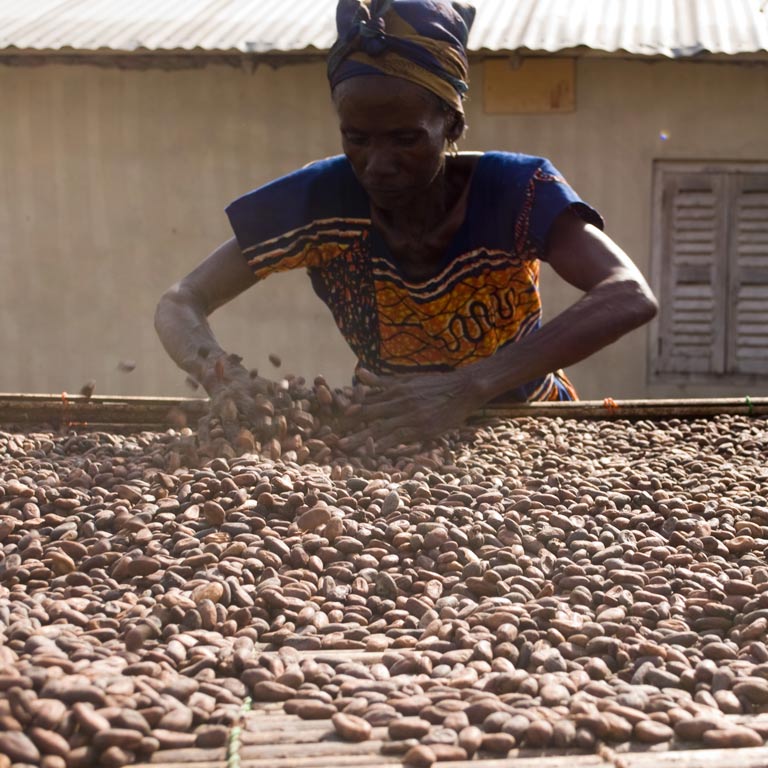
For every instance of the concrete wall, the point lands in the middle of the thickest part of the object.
(113, 184)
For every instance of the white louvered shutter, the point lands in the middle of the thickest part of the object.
(748, 304)
(694, 289)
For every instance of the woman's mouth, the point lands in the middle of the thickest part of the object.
(387, 195)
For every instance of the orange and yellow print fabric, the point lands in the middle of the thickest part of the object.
(489, 300)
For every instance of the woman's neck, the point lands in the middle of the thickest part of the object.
(426, 212)
(418, 234)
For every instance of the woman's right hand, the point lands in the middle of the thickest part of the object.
(234, 392)
(181, 323)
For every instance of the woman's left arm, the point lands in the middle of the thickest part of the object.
(616, 300)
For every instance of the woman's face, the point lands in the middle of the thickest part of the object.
(393, 132)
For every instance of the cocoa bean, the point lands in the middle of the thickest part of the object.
(18, 747)
(314, 710)
(351, 727)
(123, 738)
(652, 732)
(420, 756)
(733, 737)
(408, 728)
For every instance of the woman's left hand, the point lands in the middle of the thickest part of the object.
(411, 408)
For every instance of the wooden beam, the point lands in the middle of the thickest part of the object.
(319, 749)
(163, 762)
(296, 731)
(325, 761)
(62, 410)
(686, 408)
(99, 410)
(191, 756)
(756, 757)
(552, 761)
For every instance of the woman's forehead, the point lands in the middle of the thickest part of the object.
(383, 92)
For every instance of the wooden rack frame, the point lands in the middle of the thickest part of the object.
(104, 411)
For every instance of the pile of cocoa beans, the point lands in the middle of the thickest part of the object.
(524, 583)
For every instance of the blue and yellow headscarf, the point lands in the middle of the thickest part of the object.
(423, 41)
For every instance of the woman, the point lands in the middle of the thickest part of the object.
(428, 258)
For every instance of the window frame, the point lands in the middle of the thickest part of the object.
(662, 169)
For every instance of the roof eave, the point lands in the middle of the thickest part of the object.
(251, 52)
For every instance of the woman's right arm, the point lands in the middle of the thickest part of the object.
(181, 316)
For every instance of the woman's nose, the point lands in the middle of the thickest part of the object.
(381, 164)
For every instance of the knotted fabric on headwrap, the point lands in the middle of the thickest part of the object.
(423, 41)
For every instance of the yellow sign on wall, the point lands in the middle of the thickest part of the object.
(524, 85)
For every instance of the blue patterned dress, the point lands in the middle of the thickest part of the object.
(484, 295)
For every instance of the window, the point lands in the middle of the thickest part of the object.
(710, 269)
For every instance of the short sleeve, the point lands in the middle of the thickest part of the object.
(549, 195)
(529, 193)
(290, 222)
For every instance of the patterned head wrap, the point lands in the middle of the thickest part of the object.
(423, 41)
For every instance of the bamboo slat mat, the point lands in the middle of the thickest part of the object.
(271, 738)
(337, 754)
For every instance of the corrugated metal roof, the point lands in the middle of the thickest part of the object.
(674, 28)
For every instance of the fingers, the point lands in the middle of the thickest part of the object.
(260, 386)
(352, 412)
(396, 389)
(356, 440)
(357, 414)
(370, 379)
(385, 434)
(229, 416)
(360, 412)
(380, 411)
(233, 405)
(204, 429)
(396, 437)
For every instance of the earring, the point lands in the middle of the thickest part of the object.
(453, 148)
